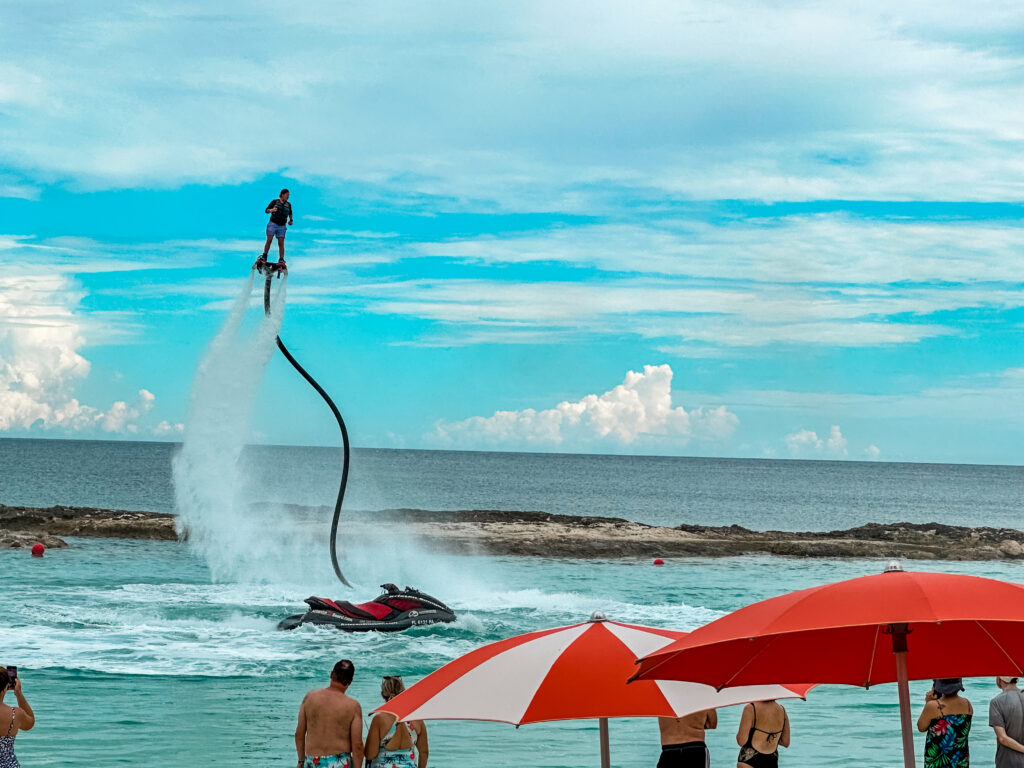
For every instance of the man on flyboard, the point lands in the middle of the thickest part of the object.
(280, 211)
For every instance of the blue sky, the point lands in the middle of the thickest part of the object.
(740, 229)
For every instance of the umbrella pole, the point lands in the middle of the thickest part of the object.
(905, 724)
(606, 756)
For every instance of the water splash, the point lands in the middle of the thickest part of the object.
(208, 487)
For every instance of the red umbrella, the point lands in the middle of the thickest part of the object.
(894, 626)
(566, 673)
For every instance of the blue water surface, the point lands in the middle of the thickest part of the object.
(132, 652)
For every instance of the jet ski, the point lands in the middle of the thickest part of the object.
(393, 611)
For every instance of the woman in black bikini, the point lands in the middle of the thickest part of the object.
(764, 727)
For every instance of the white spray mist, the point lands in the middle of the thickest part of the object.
(207, 488)
(245, 539)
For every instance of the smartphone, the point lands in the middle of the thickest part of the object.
(12, 673)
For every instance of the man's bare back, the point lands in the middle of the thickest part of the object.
(332, 720)
(682, 730)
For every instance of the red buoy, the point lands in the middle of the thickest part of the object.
(38, 549)
(658, 561)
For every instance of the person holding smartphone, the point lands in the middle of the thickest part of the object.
(946, 723)
(12, 719)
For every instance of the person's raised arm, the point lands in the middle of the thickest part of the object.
(784, 738)
(300, 732)
(711, 720)
(928, 714)
(746, 723)
(25, 718)
(422, 747)
(1006, 740)
(356, 737)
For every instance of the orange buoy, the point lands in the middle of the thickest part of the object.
(38, 549)
(658, 561)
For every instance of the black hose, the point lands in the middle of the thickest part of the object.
(341, 425)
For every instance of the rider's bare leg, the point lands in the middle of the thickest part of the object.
(266, 246)
(280, 247)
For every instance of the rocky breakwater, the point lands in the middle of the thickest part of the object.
(30, 524)
(543, 534)
(540, 534)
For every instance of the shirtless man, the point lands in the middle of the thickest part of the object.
(330, 729)
(682, 739)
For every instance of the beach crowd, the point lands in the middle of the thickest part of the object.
(329, 733)
(330, 724)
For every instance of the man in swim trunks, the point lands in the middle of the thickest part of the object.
(330, 729)
(682, 739)
(280, 211)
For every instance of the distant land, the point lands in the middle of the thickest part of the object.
(540, 534)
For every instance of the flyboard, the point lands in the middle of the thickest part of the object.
(394, 610)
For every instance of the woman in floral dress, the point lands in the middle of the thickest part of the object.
(946, 721)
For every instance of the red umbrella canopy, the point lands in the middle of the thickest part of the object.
(953, 626)
(565, 673)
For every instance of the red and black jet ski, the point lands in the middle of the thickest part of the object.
(394, 611)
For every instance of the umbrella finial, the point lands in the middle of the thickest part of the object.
(893, 567)
(598, 616)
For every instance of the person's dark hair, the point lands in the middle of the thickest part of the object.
(284, 192)
(343, 672)
(4, 679)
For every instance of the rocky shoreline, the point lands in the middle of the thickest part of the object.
(548, 535)
(17, 523)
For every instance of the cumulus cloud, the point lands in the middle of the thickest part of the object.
(806, 442)
(872, 452)
(122, 417)
(41, 362)
(835, 444)
(167, 429)
(636, 411)
(805, 438)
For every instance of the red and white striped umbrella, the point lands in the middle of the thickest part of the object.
(567, 673)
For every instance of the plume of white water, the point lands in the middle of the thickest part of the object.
(217, 496)
(209, 497)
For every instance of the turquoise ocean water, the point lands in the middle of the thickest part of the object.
(132, 653)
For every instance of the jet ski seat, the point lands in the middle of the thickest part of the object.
(371, 610)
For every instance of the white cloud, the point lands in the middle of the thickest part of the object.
(525, 104)
(166, 429)
(806, 442)
(827, 248)
(836, 443)
(41, 364)
(823, 280)
(872, 453)
(638, 410)
(122, 418)
(674, 311)
(804, 439)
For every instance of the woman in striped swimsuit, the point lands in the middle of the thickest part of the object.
(12, 719)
